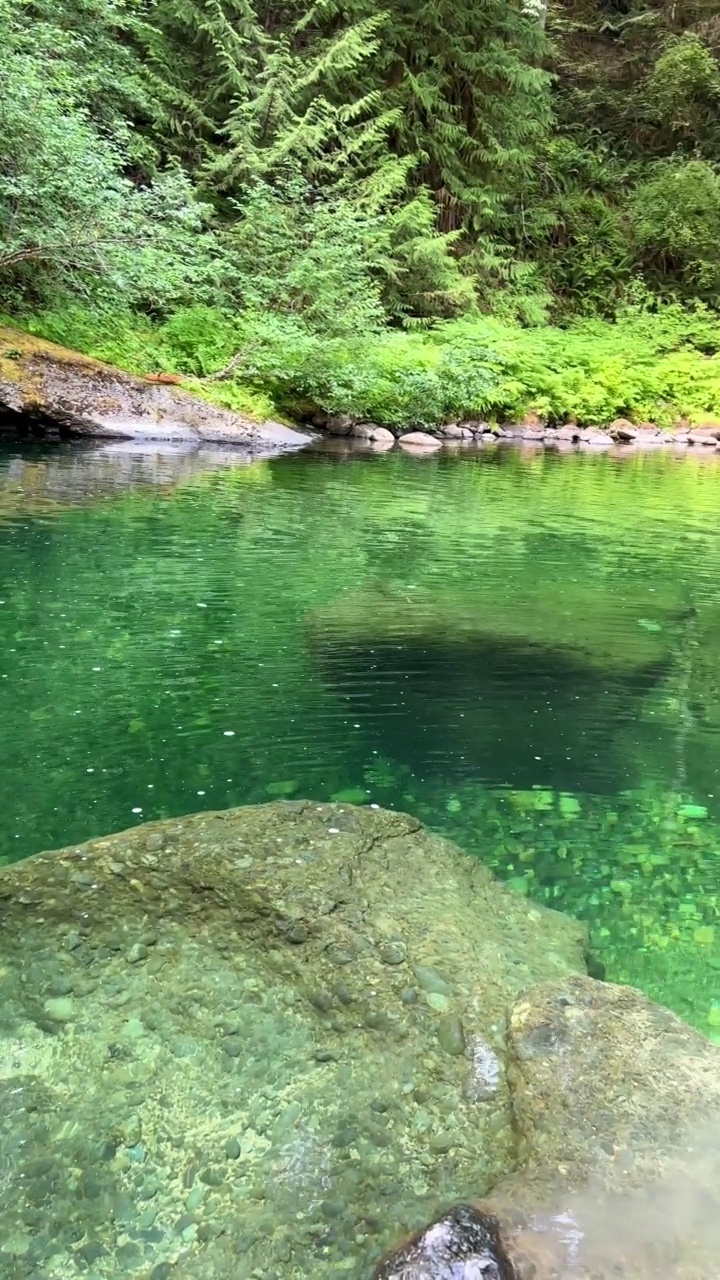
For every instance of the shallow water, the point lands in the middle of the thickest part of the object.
(522, 649)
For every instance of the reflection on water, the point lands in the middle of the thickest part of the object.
(523, 650)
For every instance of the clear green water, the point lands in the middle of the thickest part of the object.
(524, 650)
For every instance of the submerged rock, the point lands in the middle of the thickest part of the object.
(243, 1082)
(80, 396)
(212, 1065)
(606, 1084)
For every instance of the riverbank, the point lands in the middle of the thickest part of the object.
(655, 371)
(49, 390)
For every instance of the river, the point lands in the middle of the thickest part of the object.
(522, 649)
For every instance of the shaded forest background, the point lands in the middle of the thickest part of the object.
(268, 174)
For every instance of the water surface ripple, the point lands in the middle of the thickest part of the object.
(521, 648)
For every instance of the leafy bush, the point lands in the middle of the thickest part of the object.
(70, 220)
(676, 227)
(682, 93)
(293, 252)
(655, 364)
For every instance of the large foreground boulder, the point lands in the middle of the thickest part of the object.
(258, 1043)
(81, 396)
(276, 1042)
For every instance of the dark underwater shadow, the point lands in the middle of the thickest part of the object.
(517, 715)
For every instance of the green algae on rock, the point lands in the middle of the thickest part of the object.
(276, 1041)
(238, 1079)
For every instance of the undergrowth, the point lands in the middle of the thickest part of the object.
(660, 364)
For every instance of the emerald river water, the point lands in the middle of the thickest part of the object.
(521, 649)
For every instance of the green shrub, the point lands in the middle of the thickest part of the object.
(676, 228)
(658, 364)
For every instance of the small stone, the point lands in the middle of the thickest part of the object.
(442, 1142)
(419, 440)
(212, 1177)
(451, 1035)
(207, 1231)
(129, 1254)
(332, 1209)
(90, 1186)
(378, 1136)
(622, 429)
(325, 1055)
(161, 1271)
(92, 1251)
(409, 995)
(232, 1046)
(131, 1131)
(392, 953)
(195, 1198)
(232, 1149)
(438, 1002)
(137, 952)
(72, 941)
(430, 980)
(339, 424)
(296, 931)
(343, 993)
(594, 435)
(344, 1138)
(60, 1009)
(322, 1001)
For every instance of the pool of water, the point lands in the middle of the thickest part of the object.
(522, 649)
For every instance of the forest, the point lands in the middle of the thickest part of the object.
(409, 213)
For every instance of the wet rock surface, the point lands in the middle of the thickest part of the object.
(280, 1041)
(66, 391)
(463, 1244)
(615, 1104)
(599, 1072)
(267, 1042)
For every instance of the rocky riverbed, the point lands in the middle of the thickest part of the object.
(270, 1042)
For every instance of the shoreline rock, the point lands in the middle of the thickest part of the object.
(77, 396)
(622, 436)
